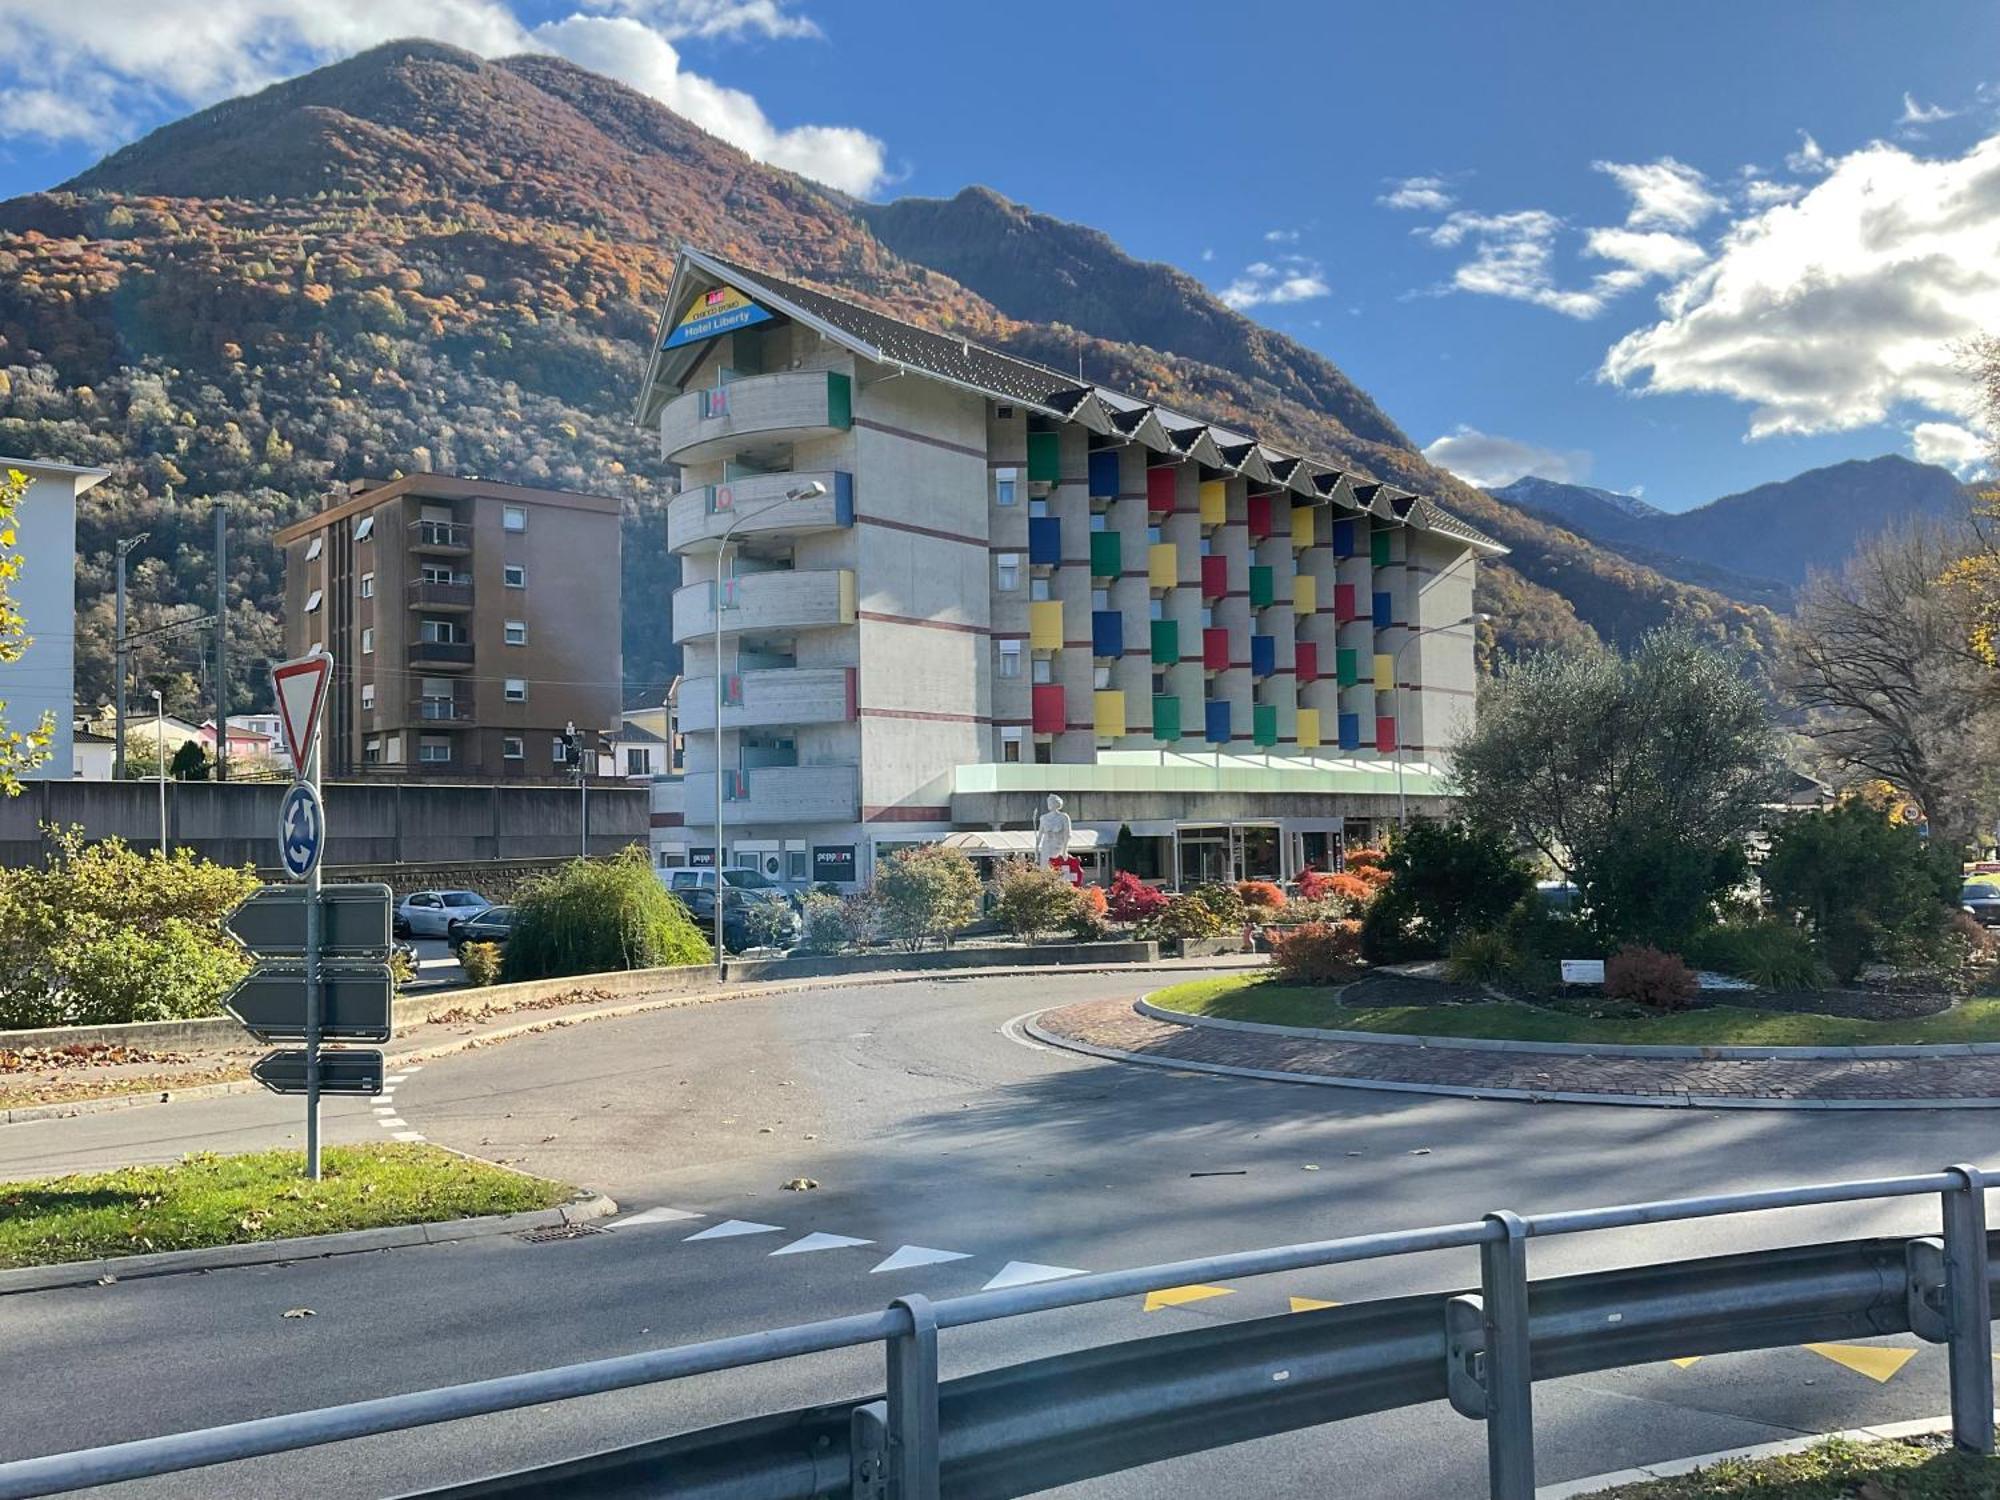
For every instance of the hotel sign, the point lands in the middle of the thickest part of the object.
(719, 311)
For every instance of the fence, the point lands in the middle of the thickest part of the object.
(1032, 1426)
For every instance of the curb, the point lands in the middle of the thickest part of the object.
(1575, 1488)
(308, 1247)
(1672, 1099)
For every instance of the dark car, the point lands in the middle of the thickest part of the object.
(489, 926)
(773, 923)
(1982, 899)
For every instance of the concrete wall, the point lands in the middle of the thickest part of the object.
(43, 681)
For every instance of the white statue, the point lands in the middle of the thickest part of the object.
(1052, 838)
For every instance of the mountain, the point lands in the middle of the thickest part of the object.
(1601, 514)
(417, 259)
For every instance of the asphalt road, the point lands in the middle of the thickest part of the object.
(929, 1124)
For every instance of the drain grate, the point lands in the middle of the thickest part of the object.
(559, 1232)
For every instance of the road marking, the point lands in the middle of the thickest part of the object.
(819, 1241)
(728, 1229)
(1691, 1360)
(917, 1255)
(1879, 1365)
(393, 1122)
(1012, 1030)
(1309, 1304)
(1026, 1273)
(1180, 1296)
(406, 1135)
(653, 1216)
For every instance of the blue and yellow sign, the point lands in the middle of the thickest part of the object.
(719, 311)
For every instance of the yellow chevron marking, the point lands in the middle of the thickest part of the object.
(1684, 1363)
(1878, 1365)
(1307, 1304)
(1178, 1296)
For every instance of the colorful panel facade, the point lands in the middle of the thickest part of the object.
(1048, 709)
(1166, 718)
(1161, 485)
(1107, 554)
(1214, 502)
(1107, 632)
(1166, 642)
(1108, 713)
(1104, 474)
(1215, 721)
(1163, 566)
(1045, 625)
(1044, 457)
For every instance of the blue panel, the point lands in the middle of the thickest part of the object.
(1107, 632)
(1350, 731)
(1044, 540)
(1263, 655)
(1343, 539)
(1217, 732)
(843, 498)
(1385, 611)
(1104, 472)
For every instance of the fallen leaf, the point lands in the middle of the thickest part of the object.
(300, 1312)
(800, 1185)
(1421, 1151)
(107, 1280)
(1310, 1166)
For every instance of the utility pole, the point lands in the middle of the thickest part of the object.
(119, 663)
(160, 754)
(221, 644)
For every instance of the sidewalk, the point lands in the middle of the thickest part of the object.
(1114, 1029)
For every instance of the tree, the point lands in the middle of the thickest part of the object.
(189, 762)
(1450, 878)
(21, 750)
(1884, 658)
(1030, 898)
(1867, 888)
(1588, 756)
(926, 892)
(1975, 577)
(592, 916)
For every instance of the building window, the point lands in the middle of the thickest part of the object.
(1206, 546)
(367, 695)
(368, 585)
(1006, 485)
(1044, 753)
(514, 575)
(559, 751)
(1100, 678)
(638, 760)
(1010, 743)
(371, 751)
(312, 602)
(1100, 521)
(1160, 688)
(1207, 616)
(517, 690)
(434, 751)
(314, 547)
(517, 632)
(1010, 658)
(1100, 598)
(1156, 608)
(1007, 571)
(1154, 535)
(513, 518)
(1003, 413)
(367, 640)
(1038, 508)
(1044, 670)
(1038, 589)
(364, 528)
(513, 747)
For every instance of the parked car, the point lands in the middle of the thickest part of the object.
(489, 926)
(1982, 899)
(429, 913)
(738, 929)
(680, 882)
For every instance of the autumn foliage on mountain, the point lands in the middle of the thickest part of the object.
(418, 260)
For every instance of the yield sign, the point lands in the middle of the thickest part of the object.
(300, 687)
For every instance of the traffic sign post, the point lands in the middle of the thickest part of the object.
(352, 1070)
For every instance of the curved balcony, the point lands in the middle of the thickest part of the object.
(784, 695)
(793, 406)
(697, 518)
(775, 794)
(767, 602)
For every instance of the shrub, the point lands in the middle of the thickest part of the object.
(1655, 886)
(1260, 896)
(1222, 901)
(1132, 900)
(1388, 934)
(1480, 958)
(925, 893)
(1452, 878)
(1093, 900)
(1315, 885)
(592, 916)
(1364, 858)
(1087, 922)
(481, 962)
(1317, 953)
(1867, 889)
(823, 924)
(1353, 891)
(1182, 917)
(1770, 954)
(1649, 977)
(1030, 898)
(767, 920)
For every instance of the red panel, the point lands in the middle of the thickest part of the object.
(1160, 488)
(1214, 577)
(1049, 717)
(1305, 661)
(1385, 732)
(1344, 603)
(853, 693)
(1259, 511)
(1215, 648)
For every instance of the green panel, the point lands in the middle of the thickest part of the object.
(1348, 666)
(1166, 642)
(1166, 711)
(1264, 723)
(1378, 547)
(1106, 554)
(1045, 456)
(1260, 587)
(839, 400)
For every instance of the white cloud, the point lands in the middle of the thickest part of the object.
(1915, 114)
(1488, 460)
(1809, 159)
(1512, 255)
(1431, 195)
(1298, 280)
(1665, 194)
(1762, 192)
(1650, 252)
(1962, 450)
(57, 115)
(1281, 236)
(1843, 309)
(1208, 253)
(717, 18)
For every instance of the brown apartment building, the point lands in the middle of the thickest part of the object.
(468, 621)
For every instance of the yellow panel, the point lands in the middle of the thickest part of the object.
(1305, 594)
(1110, 715)
(1308, 728)
(1162, 565)
(846, 596)
(1214, 502)
(1302, 525)
(1308, 1304)
(1385, 674)
(1180, 1296)
(1045, 625)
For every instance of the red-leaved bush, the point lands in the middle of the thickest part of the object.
(1351, 889)
(1093, 900)
(1363, 859)
(1317, 953)
(1260, 895)
(1649, 977)
(1132, 900)
(1314, 885)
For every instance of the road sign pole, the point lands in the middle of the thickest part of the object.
(312, 983)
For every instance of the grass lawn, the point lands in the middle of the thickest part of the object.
(1910, 1469)
(207, 1200)
(1253, 998)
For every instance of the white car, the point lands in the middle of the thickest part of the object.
(431, 913)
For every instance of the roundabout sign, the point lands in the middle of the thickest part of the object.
(301, 830)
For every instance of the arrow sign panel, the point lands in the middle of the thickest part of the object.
(354, 922)
(300, 688)
(358, 1071)
(354, 1004)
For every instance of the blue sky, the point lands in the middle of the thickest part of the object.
(1678, 250)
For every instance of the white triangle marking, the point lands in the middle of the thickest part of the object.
(653, 1216)
(1026, 1273)
(917, 1255)
(730, 1228)
(299, 686)
(820, 1242)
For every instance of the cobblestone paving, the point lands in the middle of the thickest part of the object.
(1116, 1025)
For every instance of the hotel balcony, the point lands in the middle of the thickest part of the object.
(775, 794)
(444, 598)
(793, 406)
(441, 711)
(697, 518)
(772, 603)
(441, 538)
(444, 656)
(783, 695)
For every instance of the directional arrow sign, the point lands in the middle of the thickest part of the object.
(358, 1071)
(354, 1004)
(354, 922)
(300, 688)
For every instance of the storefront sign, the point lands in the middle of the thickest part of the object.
(701, 859)
(833, 863)
(719, 311)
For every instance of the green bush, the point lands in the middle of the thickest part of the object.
(1480, 958)
(1389, 931)
(1030, 899)
(1655, 886)
(823, 924)
(926, 893)
(1649, 977)
(593, 916)
(481, 962)
(1182, 917)
(767, 920)
(1222, 902)
(1450, 878)
(1867, 889)
(1770, 954)
(1317, 953)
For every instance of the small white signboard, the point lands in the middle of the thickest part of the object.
(1583, 971)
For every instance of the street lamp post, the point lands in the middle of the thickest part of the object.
(160, 752)
(811, 490)
(1402, 804)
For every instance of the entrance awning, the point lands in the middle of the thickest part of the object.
(1014, 841)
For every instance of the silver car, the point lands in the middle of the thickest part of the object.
(431, 913)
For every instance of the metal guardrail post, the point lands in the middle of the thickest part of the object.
(913, 1404)
(1510, 1418)
(868, 1452)
(1969, 1313)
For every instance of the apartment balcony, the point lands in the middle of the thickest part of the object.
(447, 656)
(775, 795)
(771, 603)
(779, 696)
(443, 598)
(793, 406)
(696, 519)
(441, 711)
(441, 538)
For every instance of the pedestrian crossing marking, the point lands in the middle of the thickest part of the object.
(1310, 1304)
(1026, 1273)
(819, 1241)
(1879, 1365)
(730, 1228)
(1180, 1296)
(918, 1255)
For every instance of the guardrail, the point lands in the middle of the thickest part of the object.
(1032, 1426)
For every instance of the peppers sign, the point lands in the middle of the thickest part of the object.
(719, 311)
